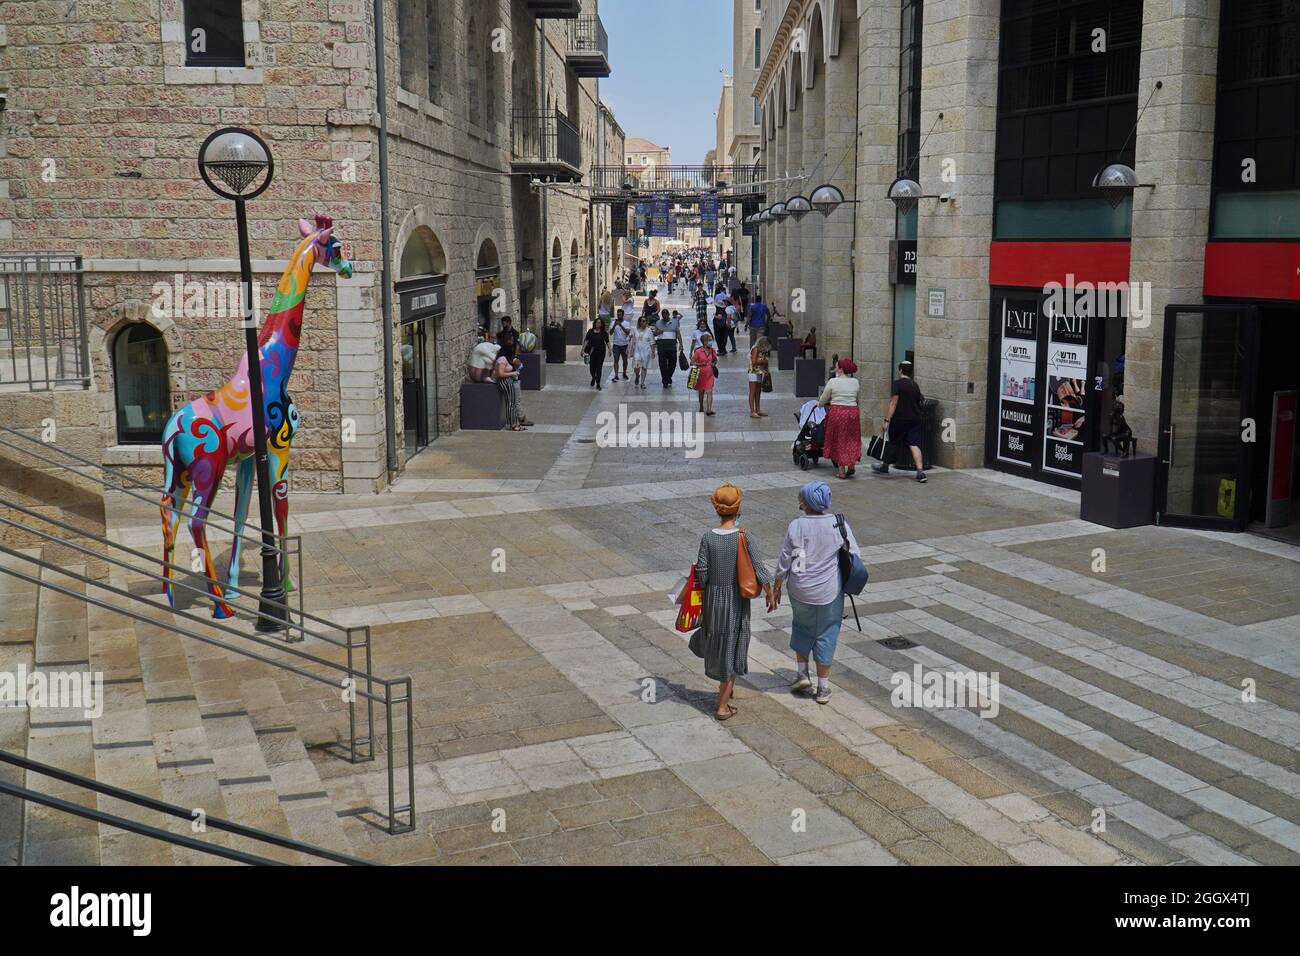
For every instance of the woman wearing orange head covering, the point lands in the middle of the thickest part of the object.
(723, 636)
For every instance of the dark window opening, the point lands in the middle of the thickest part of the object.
(214, 33)
(141, 392)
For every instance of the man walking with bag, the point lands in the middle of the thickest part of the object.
(903, 419)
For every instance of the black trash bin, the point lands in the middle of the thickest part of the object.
(554, 344)
(929, 439)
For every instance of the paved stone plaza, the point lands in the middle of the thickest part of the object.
(559, 718)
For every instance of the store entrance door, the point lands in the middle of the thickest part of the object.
(1207, 400)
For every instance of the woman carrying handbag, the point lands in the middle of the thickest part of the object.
(731, 572)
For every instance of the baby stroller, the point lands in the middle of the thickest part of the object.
(807, 447)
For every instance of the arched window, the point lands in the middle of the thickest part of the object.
(141, 392)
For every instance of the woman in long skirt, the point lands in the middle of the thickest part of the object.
(843, 442)
(722, 639)
(643, 347)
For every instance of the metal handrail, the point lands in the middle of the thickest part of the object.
(201, 591)
(182, 813)
(292, 543)
(545, 136)
(350, 685)
(59, 289)
(588, 35)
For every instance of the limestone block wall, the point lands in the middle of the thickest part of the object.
(959, 77)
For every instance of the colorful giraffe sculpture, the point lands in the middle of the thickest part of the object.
(202, 438)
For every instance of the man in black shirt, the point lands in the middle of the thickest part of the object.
(904, 419)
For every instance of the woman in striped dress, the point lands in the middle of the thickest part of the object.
(507, 379)
(722, 639)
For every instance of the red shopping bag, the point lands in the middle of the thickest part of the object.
(691, 605)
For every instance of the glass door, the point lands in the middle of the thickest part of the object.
(415, 387)
(1206, 399)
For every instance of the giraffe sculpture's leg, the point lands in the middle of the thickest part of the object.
(172, 508)
(279, 462)
(243, 494)
(203, 495)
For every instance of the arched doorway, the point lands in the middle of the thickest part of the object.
(141, 390)
(487, 281)
(422, 296)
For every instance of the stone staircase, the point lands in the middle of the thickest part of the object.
(183, 721)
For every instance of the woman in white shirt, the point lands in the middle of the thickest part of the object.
(809, 563)
(643, 346)
(843, 443)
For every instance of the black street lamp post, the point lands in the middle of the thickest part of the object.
(238, 158)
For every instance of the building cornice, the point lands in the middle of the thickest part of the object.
(776, 52)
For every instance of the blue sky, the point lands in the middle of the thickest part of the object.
(668, 58)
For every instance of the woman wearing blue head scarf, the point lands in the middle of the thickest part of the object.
(809, 562)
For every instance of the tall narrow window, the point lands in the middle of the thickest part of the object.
(411, 52)
(490, 56)
(142, 395)
(758, 47)
(433, 47)
(758, 112)
(474, 84)
(214, 33)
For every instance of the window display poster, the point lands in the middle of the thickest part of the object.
(1065, 423)
(1017, 375)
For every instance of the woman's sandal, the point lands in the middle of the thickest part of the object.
(732, 710)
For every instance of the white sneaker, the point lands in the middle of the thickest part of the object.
(823, 696)
(802, 682)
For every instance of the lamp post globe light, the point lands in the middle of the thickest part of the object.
(798, 207)
(826, 199)
(236, 164)
(778, 211)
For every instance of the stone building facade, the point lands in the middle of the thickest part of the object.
(1136, 160)
(106, 109)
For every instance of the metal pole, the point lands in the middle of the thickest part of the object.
(272, 614)
(385, 255)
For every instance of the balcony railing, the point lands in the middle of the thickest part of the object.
(588, 52)
(682, 183)
(555, 9)
(546, 143)
(42, 321)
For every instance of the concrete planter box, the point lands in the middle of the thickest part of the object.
(786, 350)
(532, 374)
(481, 408)
(809, 377)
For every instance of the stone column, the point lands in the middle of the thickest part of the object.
(816, 163)
(791, 231)
(773, 232)
(871, 44)
(1174, 150)
(959, 78)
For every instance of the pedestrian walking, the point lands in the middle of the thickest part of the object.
(594, 346)
(809, 564)
(758, 319)
(669, 345)
(704, 358)
(759, 359)
(843, 442)
(643, 342)
(506, 376)
(903, 419)
(701, 329)
(651, 307)
(621, 335)
(722, 639)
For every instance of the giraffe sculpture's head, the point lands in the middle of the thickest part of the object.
(328, 249)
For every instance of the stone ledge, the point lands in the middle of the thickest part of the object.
(133, 455)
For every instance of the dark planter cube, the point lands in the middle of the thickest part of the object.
(777, 331)
(1118, 492)
(786, 351)
(574, 330)
(553, 343)
(532, 374)
(481, 408)
(809, 377)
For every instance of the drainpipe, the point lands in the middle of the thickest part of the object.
(386, 269)
(546, 239)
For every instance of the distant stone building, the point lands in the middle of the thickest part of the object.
(490, 108)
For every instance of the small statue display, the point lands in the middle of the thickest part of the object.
(1120, 436)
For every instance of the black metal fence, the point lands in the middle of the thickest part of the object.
(545, 137)
(43, 321)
